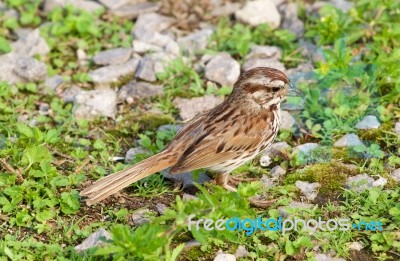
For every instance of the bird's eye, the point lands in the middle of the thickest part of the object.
(275, 89)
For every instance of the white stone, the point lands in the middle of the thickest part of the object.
(356, 246)
(368, 122)
(95, 103)
(30, 45)
(223, 69)
(259, 12)
(397, 128)
(396, 175)
(189, 108)
(225, 257)
(305, 148)
(265, 161)
(94, 240)
(348, 140)
(381, 182)
(309, 190)
(359, 182)
(263, 62)
(113, 56)
(324, 257)
(113, 73)
(287, 120)
(277, 172)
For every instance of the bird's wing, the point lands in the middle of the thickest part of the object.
(223, 140)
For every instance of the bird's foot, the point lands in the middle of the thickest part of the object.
(256, 201)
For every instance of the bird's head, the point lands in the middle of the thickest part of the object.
(263, 85)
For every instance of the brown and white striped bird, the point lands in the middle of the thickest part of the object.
(220, 140)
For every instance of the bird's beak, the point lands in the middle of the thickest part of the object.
(293, 91)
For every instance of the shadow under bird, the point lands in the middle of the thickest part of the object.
(221, 139)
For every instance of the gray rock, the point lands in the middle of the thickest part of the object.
(166, 42)
(259, 12)
(143, 47)
(225, 257)
(356, 246)
(30, 69)
(31, 44)
(188, 197)
(227, 9)
(396, 175)
(343, 5)
(114, 4)
(113, 56)
(91, 104)
(309, 190)
(259, 62)
(146, 70)
(305, 148)
(192, 243)
(223, 69)
(151, 22)
(348, 140)
(189, 108)
(380, 182)
(53, 82)
(151, 65)
(132, 152)
(96, 239)
(368, 122)
(311, 51)
(140, 217)
(139, 90)
(241, 252)
(113, 73)
(89, 6)
(132, 11)
(302, 73)
(267, 181)
(195, 42)
(291, 21)
(161, 208)
(397, 128)
(276, 149)
(277, 172)
(324, 257)
(264, 52)
(69, 94)
(287, 120)
(359, 182)
(14, 69)
(284, 211)
(187, 179)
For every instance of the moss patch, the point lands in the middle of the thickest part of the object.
(152, 120)
(382, 136)
(331, 176)
(346, 155)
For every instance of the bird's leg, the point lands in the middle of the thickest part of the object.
(222, 180)
(237, 179)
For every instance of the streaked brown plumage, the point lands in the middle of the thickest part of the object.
(221, 139)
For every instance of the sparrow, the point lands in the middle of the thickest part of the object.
(220, 140)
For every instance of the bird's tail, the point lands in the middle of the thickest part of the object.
(113, 183)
